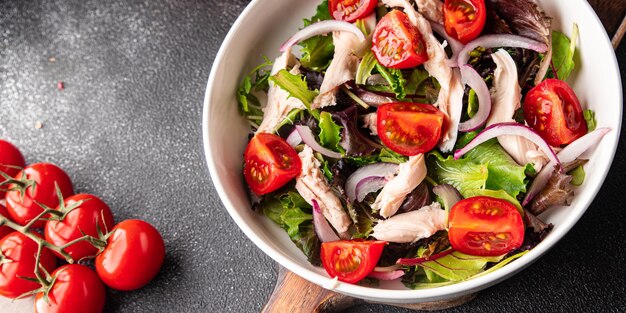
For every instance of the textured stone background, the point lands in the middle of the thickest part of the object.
(127, 127)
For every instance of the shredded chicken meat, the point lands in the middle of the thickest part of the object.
(279, 103)
(311, 184)
(410, 175)
(505, 98)
(412, 226)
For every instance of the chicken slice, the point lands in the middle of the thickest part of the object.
(279, 102)
(505, 99)
(450, 98)
(410, 175)
(412, 226)
(311, 184)
(370, 121)
(342, 68)
(431, 9)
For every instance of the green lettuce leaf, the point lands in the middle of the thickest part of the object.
(395, 79)
(590, 118)
(578, 176)
(385, 155)
(255, 81)
(364, 71)
(295, 85)
(504, 172)
(317, 51)
(292, 213)
(563, 51)
(472, 103)
(463, 174)
(457, 266)
(330, 132)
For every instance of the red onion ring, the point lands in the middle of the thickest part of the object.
(568, 154)
(323, 230)
(510, 128)
(455, 45)
(309, 139)
(448, 194)
(372, 98)
(502, 40)
(475, 81)
(294, 138)
(362, 181)
(386, 275)
(321, 28)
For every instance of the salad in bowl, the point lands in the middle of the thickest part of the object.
(417, 141)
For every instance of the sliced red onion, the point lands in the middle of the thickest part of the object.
(367, 185)
(294, 138)
(510, 128)
(321, 28)
(389, 268)
(568, 154)
(501, 40)
(386, 275)
(448, 194)
(372, 98)
(455, 45)
(475, 81)
(376, 79)
(323, 230)
(355, 189)
(418, 261)
(309, 139)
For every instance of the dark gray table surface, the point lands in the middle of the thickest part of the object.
(127, 127)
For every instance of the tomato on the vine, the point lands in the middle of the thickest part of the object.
(485, 226)
(464, 19)
(133, 256)
(270, 162)
(397, 43)
(4, 230)
(17, 259)
(552, 110)
(80, 221)
(23, 207)
(409, 128)
(351, 10)
(351, 260)
(11, 160)
(76, 289)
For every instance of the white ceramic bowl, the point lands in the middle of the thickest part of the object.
(260, 30)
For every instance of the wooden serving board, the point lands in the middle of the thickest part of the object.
(294, 294)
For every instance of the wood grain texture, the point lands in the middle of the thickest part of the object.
(611, 13)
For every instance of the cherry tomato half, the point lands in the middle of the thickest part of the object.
(18, 260)
(351, 260)
(11, 156)
(409, 128)
(270, 162)
(133, 256)
(552, 110)
(76, 289)
(464, 19)
(485, 226)
(397, 43)
(4, 230)
(79, 222)
(24, 209)
(351, 10)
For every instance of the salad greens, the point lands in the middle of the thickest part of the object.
(353, 177)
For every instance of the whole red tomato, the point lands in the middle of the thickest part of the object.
(18, 260)
(76, 289)
(43, 176)
(4, 230)
(85, 219)
(133, 256)
(11, 156)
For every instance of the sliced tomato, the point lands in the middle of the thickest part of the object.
(409, 128)
(397, 43)
(270, 162)
(351, 260)
(351, 10)
(464, 19)
(552, 110)
(485, 226)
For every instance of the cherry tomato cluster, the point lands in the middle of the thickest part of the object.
(44, 222)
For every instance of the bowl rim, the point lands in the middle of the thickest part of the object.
(390, 295)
